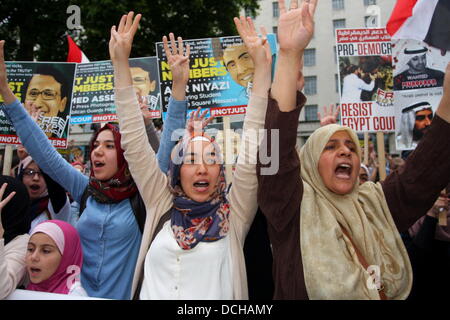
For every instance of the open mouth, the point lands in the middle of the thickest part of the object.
(34, 271)
(35, 187)
(343, 171)
(98, 164)
(201, 186)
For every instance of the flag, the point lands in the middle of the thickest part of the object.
(75, 54)
(424, 20)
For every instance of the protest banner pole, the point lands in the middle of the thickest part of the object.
(227, 148)
(366, 148)
(381, 156)
(7, 160)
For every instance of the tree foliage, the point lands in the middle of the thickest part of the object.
(36, 29)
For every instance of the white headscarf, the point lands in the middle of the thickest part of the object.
(408, 120)
(331, 267)
(407, 51)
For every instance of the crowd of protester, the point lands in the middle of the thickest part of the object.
(155, 218)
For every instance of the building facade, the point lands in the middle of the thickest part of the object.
(320, 61)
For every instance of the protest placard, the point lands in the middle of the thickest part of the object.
(365, 79)
(221, 74)
(45, 87)
(418, 79)
(93, 97)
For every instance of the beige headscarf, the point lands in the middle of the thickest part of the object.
(331, 267)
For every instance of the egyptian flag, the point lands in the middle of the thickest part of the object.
(75, 54)
(424, 20)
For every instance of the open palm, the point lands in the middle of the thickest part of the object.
(121, 39)
(296, 25)
(177, 58)
(257, 47)
(4, 202)
(328, 116)
(197, 122)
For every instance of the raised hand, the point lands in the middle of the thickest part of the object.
(329, 115)
(259, 50)
(121, 39)
(296, 25)
(257, 47)
(196, 122)
(5, 201)
(177, 58)
(295, 30)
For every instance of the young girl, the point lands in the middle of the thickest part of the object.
(54, 259)
(109, 231)
(14, 227)
(197, 253)
(333, 238)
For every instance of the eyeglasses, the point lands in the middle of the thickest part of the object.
(47, 94)
(31, 173)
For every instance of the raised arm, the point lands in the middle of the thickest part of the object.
(243, 193)
(141, 159)
(138, 152)
(179, 63)
(178, 60)
(36, 142)
(295, 30)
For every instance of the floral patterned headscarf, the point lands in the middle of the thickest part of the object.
(192, 221)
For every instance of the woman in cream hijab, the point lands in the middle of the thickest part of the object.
(333, 202)
(331, 238)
